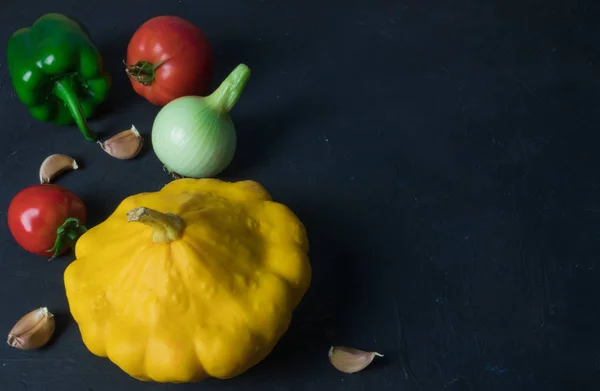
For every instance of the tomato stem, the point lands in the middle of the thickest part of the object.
(66, 235)
(143, 71)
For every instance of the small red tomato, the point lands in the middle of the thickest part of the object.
(169, 57)
(46, 219)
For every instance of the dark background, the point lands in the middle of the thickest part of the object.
(442, 155)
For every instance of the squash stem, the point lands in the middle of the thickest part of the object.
(230, 90)
(166, 227)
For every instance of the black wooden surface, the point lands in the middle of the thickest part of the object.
(442, 155)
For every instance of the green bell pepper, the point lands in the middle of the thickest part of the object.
(57, 71)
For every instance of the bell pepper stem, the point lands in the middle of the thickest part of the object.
(228, 93)
(63, 89)
(66, 235)
(166, 227)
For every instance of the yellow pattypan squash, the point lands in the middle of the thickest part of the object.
(196, 280)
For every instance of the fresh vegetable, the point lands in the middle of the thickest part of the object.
(194, 136)
(196, 280)
(46, 219)
(124, 145)
(57, 71)
(169, 57)
(54, 165)
(350, 360)
(33, 330)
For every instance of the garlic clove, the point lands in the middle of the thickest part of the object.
(124, 145)
(33, 330)
(350, 360)
(54, 165)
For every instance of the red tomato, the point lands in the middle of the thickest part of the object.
(36, 213)
(168, 57)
